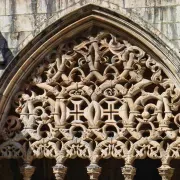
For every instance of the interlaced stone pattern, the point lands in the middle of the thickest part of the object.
(96, 96)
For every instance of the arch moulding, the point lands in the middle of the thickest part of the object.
(94, 86)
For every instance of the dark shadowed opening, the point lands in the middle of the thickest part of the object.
(77, 169)
(111, 169)
(9, 169)
(146, 169)
(5, 53)
(44, 169)
(175, 164)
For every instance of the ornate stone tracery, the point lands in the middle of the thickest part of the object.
(97, 96)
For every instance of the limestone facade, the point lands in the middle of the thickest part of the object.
(22, 20)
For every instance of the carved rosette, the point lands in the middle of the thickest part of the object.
(93, 171)
(96, 96)
(128, 171)
(59, 171)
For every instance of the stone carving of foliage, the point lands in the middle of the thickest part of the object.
(96, 96)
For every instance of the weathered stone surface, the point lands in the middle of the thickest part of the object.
(23, 15)
(23, 7)
(5, 23)
(24, 23)
(2, 7)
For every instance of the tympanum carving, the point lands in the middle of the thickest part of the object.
(96, 96)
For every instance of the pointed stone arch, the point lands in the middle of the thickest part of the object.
(99, 87)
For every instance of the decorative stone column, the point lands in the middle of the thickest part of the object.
(94, 171)
(128, 171)
(59, 171)
(166, 172)
(27, 171)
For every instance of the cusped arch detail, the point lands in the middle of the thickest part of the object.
(96, 89)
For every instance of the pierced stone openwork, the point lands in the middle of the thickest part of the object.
(96, 96)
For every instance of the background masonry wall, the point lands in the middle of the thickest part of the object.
(19, 18)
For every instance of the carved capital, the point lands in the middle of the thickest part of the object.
(166, 172)
(27, 171)
(59, 171)
(94, 171)
(128, 171)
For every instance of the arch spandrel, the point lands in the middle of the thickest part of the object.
(96, 95)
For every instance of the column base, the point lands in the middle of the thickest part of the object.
(128, 171)
(93, 171)
(27, 171)
(59, 171)
(166, 172)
